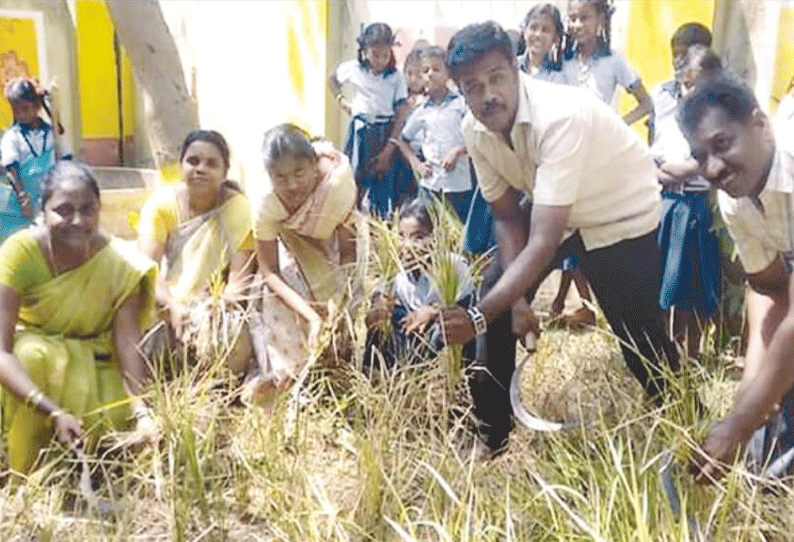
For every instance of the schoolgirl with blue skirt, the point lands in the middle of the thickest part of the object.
(27, 152)
(377, 113)
(690, 251)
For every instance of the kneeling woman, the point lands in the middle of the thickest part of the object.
(310, 208)
(200, 232)
(72, 304)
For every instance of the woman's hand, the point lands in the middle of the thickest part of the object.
(25, 204)
(418, 320)
(68, 430)
(146, 427)
(178, 316)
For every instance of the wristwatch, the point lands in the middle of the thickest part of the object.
(478, 320)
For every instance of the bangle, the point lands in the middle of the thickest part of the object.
(478, 320)
(141, 412)
(34, 397)
(55, 414)
(339, 97)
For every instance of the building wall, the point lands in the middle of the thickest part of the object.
(37, 39)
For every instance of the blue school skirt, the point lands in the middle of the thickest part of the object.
(478, 233)
(690, 253)
(384, 193)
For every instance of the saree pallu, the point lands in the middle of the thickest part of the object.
(690, 254)
(64, 342)
(199, 250)
(385, 192)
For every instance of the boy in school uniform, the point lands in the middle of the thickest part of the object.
(436, 126)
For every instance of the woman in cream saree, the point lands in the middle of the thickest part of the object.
(310, 208)
(200, 231)
(72, 304)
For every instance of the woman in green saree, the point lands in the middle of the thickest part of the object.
(73, 302)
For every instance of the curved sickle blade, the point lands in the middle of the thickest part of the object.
(519, 410)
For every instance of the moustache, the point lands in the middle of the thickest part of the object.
(492, 107)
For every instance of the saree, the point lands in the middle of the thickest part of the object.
(309, 232)
(199, 250)
(65, 345)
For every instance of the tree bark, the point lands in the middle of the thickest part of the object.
(169, 111)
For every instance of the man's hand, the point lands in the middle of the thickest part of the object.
(457, 326)
(524, 318)
(382, 161)
(720, 448)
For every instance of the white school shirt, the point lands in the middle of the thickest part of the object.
(760, 235)
(376, 95)
(436, 127)
(570, 149)
(418, 292)
(601, 75)
(669, 143)
(14, 148)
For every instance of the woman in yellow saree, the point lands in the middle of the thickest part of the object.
(200, 232)
(72, 304)
(310, 208)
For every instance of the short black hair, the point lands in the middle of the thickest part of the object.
(418, 209)
(689, 34)
(472, 42)
(433, 52)
(21, 88)
(729, 94)
(287, 139)
(67, 170)
(704, 58)
(207, 136)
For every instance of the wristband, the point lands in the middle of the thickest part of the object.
(478, 320)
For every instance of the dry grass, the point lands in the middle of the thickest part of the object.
(347, 458)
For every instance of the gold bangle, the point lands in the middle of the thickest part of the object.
(34, 397)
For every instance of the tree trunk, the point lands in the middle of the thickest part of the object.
(169, 111)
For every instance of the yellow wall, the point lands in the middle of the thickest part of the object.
(784, 65)
(650, 27)
(97, 69)
(307, 22)
(18, 56)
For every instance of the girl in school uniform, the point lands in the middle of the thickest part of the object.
(377, 110)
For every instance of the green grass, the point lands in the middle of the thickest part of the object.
(348, 458)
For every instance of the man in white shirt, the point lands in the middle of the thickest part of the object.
(593, 192)
(733, 142)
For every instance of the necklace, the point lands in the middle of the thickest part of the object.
(51, 254)
(57, 270)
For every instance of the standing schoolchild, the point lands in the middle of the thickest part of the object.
(690, 252)
(545, 39)
(445, 170)
(591, 62)
(377, 112)
(27, 150)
